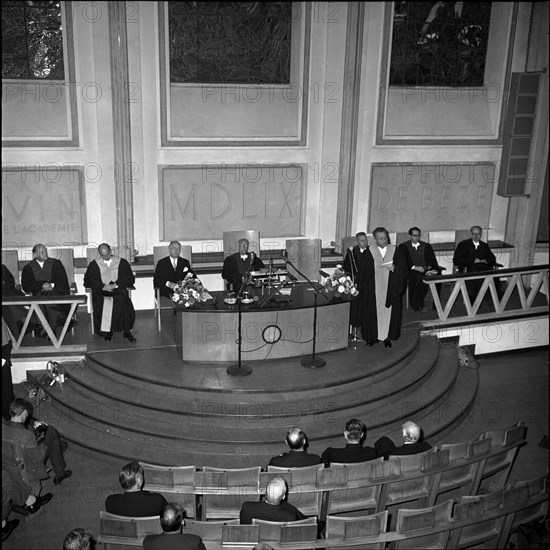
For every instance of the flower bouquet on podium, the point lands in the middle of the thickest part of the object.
(189, 291)
(340, 283)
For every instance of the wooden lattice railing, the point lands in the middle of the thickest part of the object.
(529, 282)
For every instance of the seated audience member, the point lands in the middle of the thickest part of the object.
(297, 457)
(421, 261)
(134, 502)
(171, 521)
(413, 443)
(13, 315)
(78, 539)
(17, 496)
(109, 279)
(354, 451)
(236, 266)
(473, 256)
(171, 270)
(36, 455)
(44, 276)
(273, 507)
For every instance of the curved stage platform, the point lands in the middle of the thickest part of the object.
(141, 402)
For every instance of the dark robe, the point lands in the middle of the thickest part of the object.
(7, 382)
(123, 313)
(33, 277)
(464, 258)
(390, 296)
(235, 269)
(13, 315)
(164, 272)
(425, 257)
(352, 265)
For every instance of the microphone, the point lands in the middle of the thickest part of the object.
(284, 255)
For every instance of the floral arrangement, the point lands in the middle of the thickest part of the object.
(340, 283)
(189, 291)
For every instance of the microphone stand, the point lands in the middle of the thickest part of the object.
(310, 360)
(239, 369)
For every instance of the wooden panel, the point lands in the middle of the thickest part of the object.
(305, 254)
(437, 197)
(218, 330)
(203, 201)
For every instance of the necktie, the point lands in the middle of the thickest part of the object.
(175, 263)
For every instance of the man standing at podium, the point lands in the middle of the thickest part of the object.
(171, 270)
(355, 257)
(238, 265)
(383, 278)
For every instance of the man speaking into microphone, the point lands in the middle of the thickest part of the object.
(239, 265)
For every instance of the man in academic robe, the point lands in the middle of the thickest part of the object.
(421, 262)
(353, 261)
(383, 278)
(109, 279)
(44, 276)
(171, 270)
(472, 256)
(239, 265)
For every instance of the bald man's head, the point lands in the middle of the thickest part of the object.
(295, 438)
(275, 491)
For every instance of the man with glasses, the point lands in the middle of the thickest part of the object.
(421, 262)
(472, 256)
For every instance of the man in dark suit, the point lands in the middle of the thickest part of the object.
(297, 457)
(35, 455)
(171, 521)
(413, 443)
(134, 502)
(472, 256)
(44, 276)
(273, 508)
(354, 451)
(171, 270)
(421, 262)
(237, 266)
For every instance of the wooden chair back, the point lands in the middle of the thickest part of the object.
(160, 252)
(231, 241)
(10, 258)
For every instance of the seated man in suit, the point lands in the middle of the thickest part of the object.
(354, 451)
(171, 270)
(237, 266)
(297, 457)
(51, 448)
(472, 256)
(134, 502)
(44, 276)
(421, 261)
(171, 521)
(273, 507)
(109, 279)
(413, 443)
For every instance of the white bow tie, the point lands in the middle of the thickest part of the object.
(416, 245)
(244, 257)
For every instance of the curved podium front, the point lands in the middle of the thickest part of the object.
(282, 327)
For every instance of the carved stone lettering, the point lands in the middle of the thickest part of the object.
(437, 197)
(200, 202)
(45, 204)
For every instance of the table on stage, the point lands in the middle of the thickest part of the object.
(281, 327)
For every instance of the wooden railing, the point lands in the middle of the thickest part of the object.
(537, 279)
(32, 305)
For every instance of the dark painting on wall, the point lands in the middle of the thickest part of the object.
(439, 43)
(230, 42)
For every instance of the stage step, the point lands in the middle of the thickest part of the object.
(115, 412)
